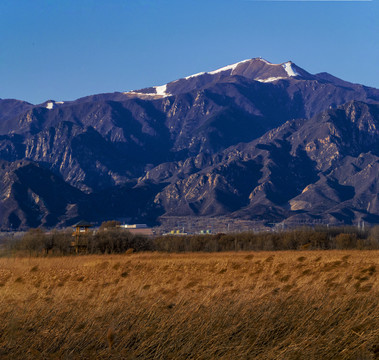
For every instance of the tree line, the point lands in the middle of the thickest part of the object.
(111, 239)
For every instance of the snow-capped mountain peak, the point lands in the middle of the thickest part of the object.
(257, 69)
(287, 66)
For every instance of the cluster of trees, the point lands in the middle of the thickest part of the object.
(111, 239)
(105, 240)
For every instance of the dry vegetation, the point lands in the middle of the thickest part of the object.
(245, 305)
(112, 240)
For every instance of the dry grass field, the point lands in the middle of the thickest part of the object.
(244, 305)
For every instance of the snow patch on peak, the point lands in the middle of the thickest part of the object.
(289, 69)
(194, 75)
(270, 79)
(229, 67)
(51, 104)
(161, 90)
(225, 68)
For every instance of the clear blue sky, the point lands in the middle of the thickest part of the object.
(66, 49)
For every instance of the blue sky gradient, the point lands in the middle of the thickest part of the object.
(63, 50)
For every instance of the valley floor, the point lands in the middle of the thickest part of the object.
(244, 305)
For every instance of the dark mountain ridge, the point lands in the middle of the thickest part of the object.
(252, 140)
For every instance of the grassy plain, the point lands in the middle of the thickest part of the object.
(244, 305)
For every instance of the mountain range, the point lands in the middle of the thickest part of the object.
(253, 140)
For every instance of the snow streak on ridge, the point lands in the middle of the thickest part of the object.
(289, 69)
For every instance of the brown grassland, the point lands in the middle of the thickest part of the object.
(240, 305)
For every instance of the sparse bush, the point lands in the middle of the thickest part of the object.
(373, 239)
(35, 242)
(61, 241)
(346, 241)
(114, 240)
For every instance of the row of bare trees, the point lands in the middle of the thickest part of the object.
(298, 239)
(111, 239)
(108, 240)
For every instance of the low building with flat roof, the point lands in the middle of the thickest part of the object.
(138, 229)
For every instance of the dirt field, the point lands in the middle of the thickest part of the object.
(245, 305)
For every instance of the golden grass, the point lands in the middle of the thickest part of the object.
(263, 305)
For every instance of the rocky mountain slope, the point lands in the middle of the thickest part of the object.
(252, 140)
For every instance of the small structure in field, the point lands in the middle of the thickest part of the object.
(138, 229)
(176, 232)
(205, 232)
(80, 244)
